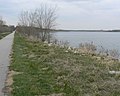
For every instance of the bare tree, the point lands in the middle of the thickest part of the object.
(46, 20)
(43, 18)
(23, 18)
(4, 27)
(2, 22)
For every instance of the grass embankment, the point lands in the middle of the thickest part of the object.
(50, 71)
(3, 34)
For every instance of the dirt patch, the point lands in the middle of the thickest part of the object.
(9, 81)
(60, 94)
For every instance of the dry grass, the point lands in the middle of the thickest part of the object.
(50, 71)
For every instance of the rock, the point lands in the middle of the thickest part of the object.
(50, 44)
(66, 51)
(114, 72)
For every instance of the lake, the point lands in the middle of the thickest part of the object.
(109, 40)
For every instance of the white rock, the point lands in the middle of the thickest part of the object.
(50, 44)
(114, 72)
(69, 48)
(75, 51)
(46, 42)
(66, 51)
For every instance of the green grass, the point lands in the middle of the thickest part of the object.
(47, 71)
(3, 34)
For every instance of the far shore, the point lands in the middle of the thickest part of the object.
(87, 30)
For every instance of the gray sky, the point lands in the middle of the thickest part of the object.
(72, 14)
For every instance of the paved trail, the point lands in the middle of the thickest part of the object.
(5, 50)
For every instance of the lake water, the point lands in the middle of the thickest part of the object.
(109, 40)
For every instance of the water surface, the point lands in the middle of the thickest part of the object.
(109, 40)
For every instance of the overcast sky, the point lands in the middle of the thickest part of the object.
(72, 14)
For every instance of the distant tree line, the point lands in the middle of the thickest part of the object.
(38, 23)
(4, 27)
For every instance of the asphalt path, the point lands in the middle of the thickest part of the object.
(5, 50)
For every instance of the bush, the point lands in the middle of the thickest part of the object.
(88, 47)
